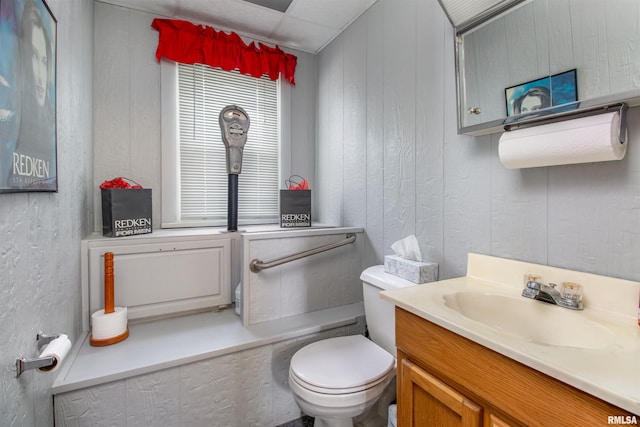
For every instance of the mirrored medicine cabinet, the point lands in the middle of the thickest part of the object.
(545, 58)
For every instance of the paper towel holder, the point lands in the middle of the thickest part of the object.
(536, 120)
(24, 364)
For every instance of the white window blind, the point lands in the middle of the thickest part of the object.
(202, 93)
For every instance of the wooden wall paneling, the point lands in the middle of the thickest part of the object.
(622, 35)
(145, 139)
(450, 266)
(518, 197)
(355, 122)
(112, 91)
(466, 183)
(302, 122)
(399, 121)
(430, 44)
(594, 225)
(467, 201)
(374, 228)
(112, 98)
(285, 134)
(589, 32)
(541, 30)
(561, 57)
(330, 130)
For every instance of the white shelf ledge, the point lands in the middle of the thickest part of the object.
(166, 343)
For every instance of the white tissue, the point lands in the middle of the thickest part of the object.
(408, 248)
(58, 349)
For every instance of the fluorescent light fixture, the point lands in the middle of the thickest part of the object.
(465, 13)
(279, 5)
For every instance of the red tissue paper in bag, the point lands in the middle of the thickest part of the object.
(295, 203)
(120, 183)
(302, 185)
(126, 208)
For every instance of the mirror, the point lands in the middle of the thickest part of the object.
(585, 53)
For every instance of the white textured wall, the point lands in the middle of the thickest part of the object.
(40, 232)
(247, 388)
(387, 141)
(127, 110)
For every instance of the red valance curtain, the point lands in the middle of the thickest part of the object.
(184, 42)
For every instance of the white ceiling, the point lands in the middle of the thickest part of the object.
(307, 25)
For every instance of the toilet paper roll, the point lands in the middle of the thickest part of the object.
(58, 349)
(582, 140)
(105, 326)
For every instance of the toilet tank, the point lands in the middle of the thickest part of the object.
(380, 314)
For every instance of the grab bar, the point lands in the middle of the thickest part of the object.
(256, 265)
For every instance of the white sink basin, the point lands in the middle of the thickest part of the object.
(531, 320)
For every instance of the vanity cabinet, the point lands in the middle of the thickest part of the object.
(447, 380)
(428, 401)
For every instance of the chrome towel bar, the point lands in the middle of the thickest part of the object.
(257, 265)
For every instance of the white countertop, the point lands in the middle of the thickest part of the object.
(611, 371)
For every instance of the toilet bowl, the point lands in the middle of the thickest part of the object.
(339, 381)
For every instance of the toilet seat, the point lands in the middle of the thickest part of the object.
(336, 391)
(341, 365)
(333, 402)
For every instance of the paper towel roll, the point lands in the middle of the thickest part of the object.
(58, 349)
(582, 140)
(105, 326)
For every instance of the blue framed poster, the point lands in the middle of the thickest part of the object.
(546, 92)
(28, 136)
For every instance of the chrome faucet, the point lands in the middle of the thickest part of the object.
(569, 296)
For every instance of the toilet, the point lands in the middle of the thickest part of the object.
(339, 381)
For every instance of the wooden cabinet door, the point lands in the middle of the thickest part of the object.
(425, 401)
(495, 421)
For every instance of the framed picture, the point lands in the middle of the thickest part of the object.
(546, 92)
(28, 136)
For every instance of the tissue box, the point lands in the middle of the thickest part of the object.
(414, 271)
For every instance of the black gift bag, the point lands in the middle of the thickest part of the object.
(295, 208)
(126, 211)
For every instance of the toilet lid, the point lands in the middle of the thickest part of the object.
(341, 363)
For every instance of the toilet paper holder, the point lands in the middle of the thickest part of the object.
(25, 364)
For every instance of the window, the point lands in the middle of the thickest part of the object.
(198, 196)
